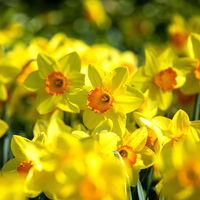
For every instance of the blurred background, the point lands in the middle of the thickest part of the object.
(124, 24)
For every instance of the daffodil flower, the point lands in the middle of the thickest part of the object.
(135, 153)
(155, 139)
(159, 76)
(179, 167)
(192, 84)
(11, 187)
(24, 163)
(178, 127)
(179, 32)
(55, 81)
(109, 98)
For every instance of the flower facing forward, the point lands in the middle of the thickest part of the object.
(180, 171)
(159, 76)
(109, 98)
(55, 81)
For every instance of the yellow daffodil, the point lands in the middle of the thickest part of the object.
(95, 12)
(160, 77)
(178, 31)
(109, 58)
(11, 187)
(10, 33)
(135, 152)
(102, 134)
(180, 171)
(109, 98)
(55, 81)
(193, 70)
(155, 138)
(178, 127)
(24, 164)
(72, 167)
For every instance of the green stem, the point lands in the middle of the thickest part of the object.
(197, 108)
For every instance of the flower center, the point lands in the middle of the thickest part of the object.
(123, 153)
(166, 79)
(24, 167)
(189, 175)
(90, 190)
(128, 154)
(100, 100)
(56, 83)
(197, 70)
(179, 39)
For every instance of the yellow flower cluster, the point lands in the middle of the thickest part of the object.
(99, 119)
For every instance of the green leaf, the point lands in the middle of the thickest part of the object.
(45, 65)
(141, 192)
(119, 78)
(70, 62)
(94, 76)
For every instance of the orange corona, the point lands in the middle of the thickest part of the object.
(24, 167)
(179, 39)
(166, 79)
(189, 175)
(89, 190)
(56, 83)
(100, 100)
(128, 154)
